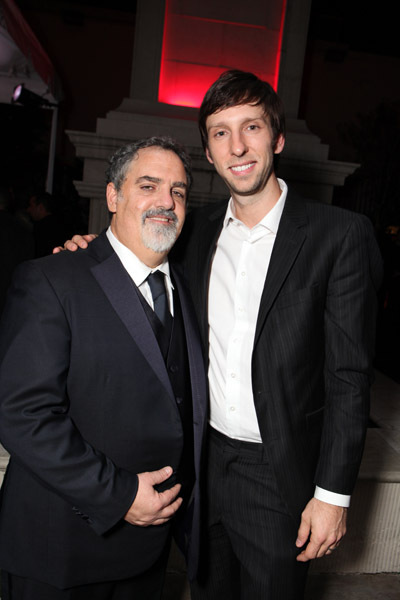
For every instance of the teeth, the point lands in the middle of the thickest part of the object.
(242, 167)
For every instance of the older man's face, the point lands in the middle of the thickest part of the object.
(149, 209)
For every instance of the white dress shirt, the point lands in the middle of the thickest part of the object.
(238, 273)
(139, 271)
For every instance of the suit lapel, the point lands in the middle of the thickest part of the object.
(289, 240)
(120, 291)
(195, 355)
(207, 238)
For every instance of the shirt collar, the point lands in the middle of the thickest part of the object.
(135, 267)
(271, 220)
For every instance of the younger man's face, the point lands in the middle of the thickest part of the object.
(240, 143)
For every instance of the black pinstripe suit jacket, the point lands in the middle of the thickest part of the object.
(314, 341)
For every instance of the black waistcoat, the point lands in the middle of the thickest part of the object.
(174, 350)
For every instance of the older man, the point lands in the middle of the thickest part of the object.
(102, 402)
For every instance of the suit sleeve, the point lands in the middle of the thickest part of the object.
(350, 317)
(35, 426)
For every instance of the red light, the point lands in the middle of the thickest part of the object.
(279, 48)
(196, 50)
(184, 84)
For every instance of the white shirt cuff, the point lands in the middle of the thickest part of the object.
(332, 497)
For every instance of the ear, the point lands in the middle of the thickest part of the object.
(209, 157)
(112, 197)
(280, 144)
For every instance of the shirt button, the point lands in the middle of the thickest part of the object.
(232, 408)
(233, 375)
(243, 273)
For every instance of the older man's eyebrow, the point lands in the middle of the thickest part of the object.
(181, 184)
(148, 178)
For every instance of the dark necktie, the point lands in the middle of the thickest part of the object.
(156, 282)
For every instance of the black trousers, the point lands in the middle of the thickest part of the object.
(145, 586)
(249, 545)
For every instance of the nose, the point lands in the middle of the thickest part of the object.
(238, 144)
(166, 199)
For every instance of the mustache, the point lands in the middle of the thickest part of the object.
(160, 212)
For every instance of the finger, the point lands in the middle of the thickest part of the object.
(168, 496)
(163, 515)
(309, 553)
(57, 249)
(70, 245)
(316, 550)
(331, 542)
(324, 549)
(144, 523)
(80, 241)
(159, 522)
(168, 511)
(89, 237)
(303, 533)
(155, 477)
(332, 547)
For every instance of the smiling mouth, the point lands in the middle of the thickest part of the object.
(242, 168)
(160, 217)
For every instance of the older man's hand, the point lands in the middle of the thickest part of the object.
(151, 507)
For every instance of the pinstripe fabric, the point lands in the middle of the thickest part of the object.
(314, 341)
(311, 362)
(250, 551)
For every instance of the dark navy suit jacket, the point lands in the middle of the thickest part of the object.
(85, 404)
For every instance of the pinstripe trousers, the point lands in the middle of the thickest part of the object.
(249, 550)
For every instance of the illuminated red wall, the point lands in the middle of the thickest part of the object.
(198, 45)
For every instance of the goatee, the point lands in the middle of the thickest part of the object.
(159, 237)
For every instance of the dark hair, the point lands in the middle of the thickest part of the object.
(234, 88)
(119, 162)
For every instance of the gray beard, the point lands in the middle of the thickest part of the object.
(157, 237)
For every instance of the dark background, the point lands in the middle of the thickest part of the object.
(350, 99)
